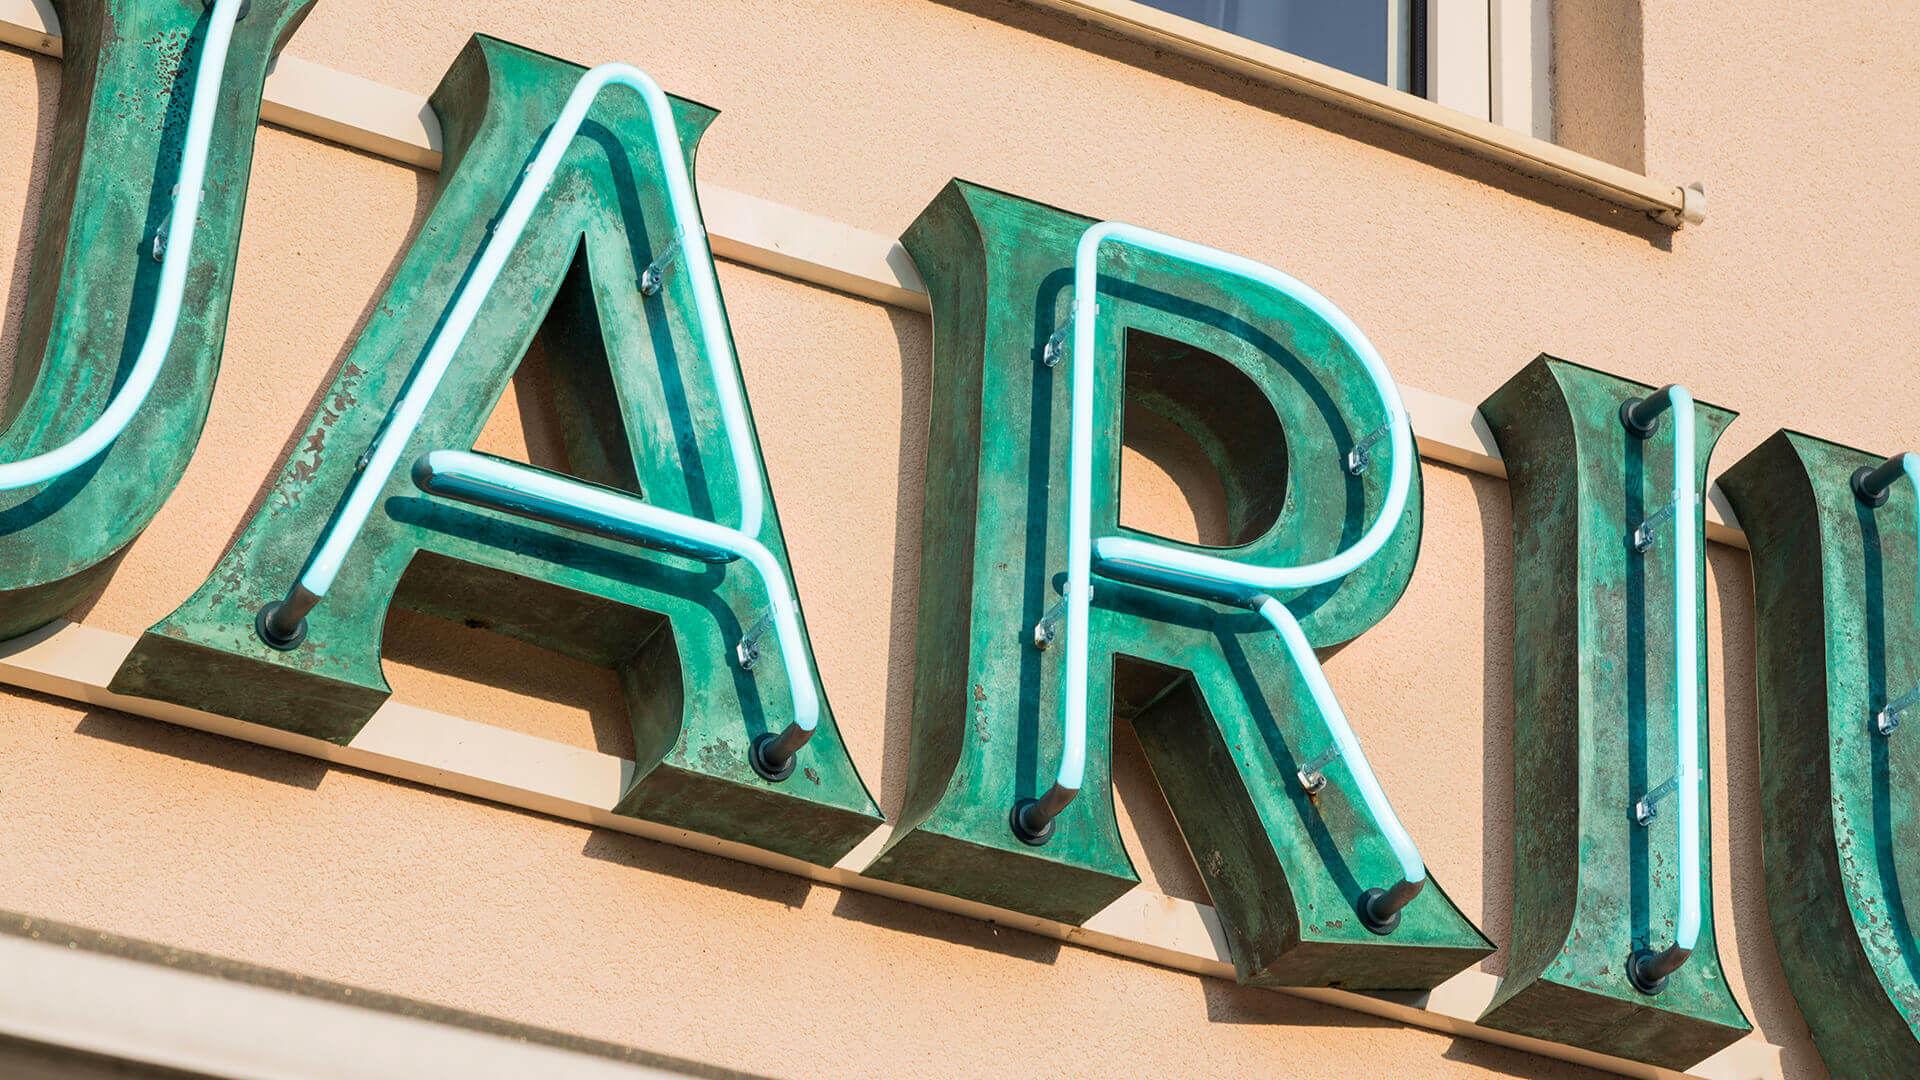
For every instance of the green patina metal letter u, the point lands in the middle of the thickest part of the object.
(1836, 572)
(127, 300)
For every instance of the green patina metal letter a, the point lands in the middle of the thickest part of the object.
(1839, 641)
(640, 412)
(1592, 729)
(1276, 400)
(124, 92)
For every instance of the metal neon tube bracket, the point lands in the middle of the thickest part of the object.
(281, 623)
(1647, 969)
(1871, 485)
(539, 495)
(177, 249)
(1207, 576)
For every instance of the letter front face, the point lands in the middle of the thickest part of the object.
(640, 412)
(1593, 729)
(125, 89)
(1224, 714)
(1834, 588)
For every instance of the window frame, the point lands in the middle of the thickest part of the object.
(1486, 58)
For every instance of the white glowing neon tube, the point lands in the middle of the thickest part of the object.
(543, 496)
(1647, 968)
(327, 557)
(1144, 562)
(132, 394)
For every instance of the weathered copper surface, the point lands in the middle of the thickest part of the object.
(1276, 401)
(1593, 725)
(1838, 636)
(125, 89)
(639, 411)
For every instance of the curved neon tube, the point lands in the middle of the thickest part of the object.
(326, 559)
(534, 493)
(132, 394)
(1648, 968)
(1207, 575)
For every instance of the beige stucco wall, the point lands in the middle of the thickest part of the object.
(1792, 304)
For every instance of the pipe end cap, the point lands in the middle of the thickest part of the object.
(1634, 427)
(1640, 976)
(769, 769)
(1369, 907)
(1021, 820)
(1875, 499)
(263, 625)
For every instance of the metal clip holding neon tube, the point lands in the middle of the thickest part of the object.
(1647, 969)
(178, 247)
(1207, 576)
(539, 495)
(1871, 485)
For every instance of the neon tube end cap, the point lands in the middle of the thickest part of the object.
(1369, 907)
(764, 765)
(267, 625)
(1864, 492)
(1631, 421)
(1640, 972)
(1022, 821)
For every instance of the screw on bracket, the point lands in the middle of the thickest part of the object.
(655, 274)
(1056, 346)
(1311, 778)
(747, 651)
(1361, 456)
(1887, 720)
(1648, 806)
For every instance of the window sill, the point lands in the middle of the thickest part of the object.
(1666, 203)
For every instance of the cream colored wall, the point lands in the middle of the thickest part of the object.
(1793, 304)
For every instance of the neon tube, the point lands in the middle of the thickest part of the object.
(1648, 969)
(132, 394)
(281, 624)
(1209, 576)
(543, 496)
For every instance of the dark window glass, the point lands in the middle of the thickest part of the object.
(1370, 38)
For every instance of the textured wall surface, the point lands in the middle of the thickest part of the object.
(1795, 295)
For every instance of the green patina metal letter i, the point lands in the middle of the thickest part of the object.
(626, 567)
(1609, 951)
(1279, 823)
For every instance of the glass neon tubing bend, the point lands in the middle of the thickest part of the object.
(529, 492)
(132, 394)
(1206, 574)
(326, 559)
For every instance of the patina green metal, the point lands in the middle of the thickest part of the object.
(1276, 401)
(638, 411)
(1833, 584)
(124, 93)
(1593, 691)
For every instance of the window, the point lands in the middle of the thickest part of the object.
(1369, 38)
(1483, 57)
